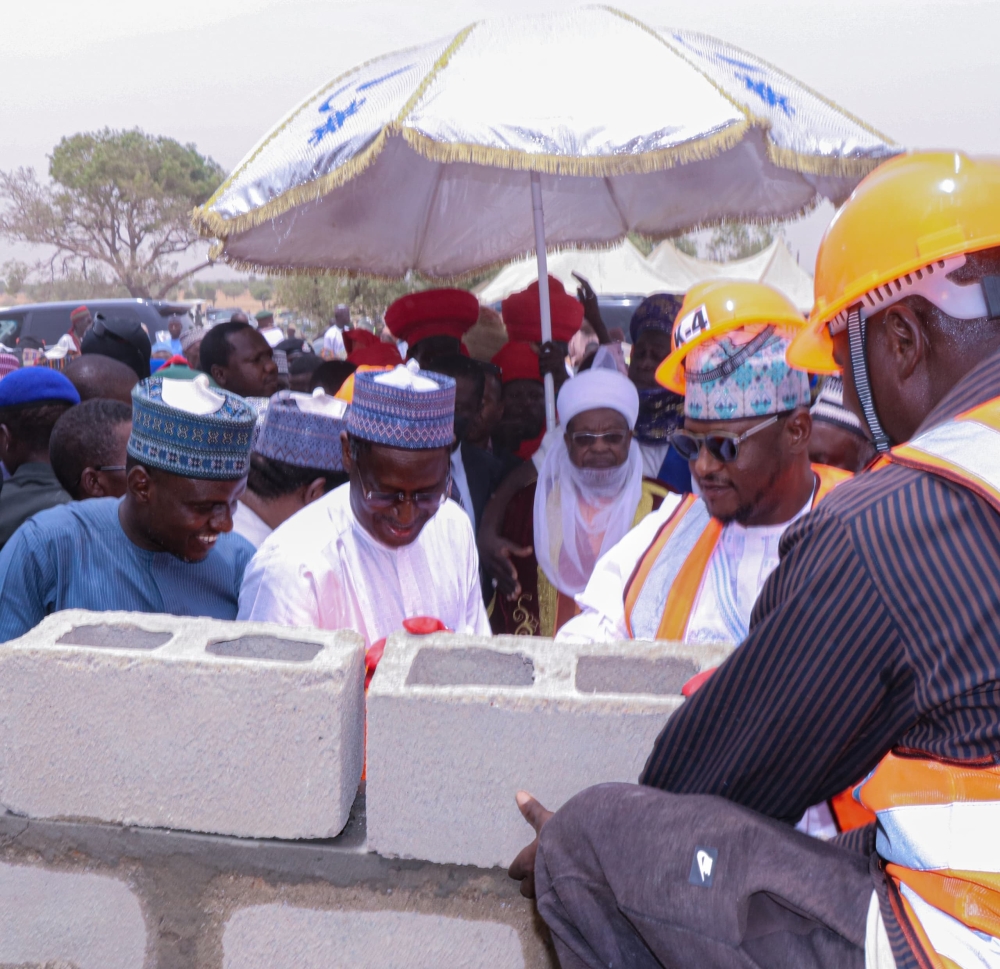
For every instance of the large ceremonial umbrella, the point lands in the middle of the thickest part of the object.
(441, 159)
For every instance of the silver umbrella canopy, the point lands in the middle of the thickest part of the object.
(478, 148)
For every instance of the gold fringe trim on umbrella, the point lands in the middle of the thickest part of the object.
(247, 265)
(840, 166)
(211, 224)
(590, 166)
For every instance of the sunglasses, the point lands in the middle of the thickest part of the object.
(723, 446)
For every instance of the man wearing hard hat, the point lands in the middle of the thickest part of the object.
(693, 570)
(873, 655)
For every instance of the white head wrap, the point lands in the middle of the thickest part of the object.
(580, 513)
(603, 387)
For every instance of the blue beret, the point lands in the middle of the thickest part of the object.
(32, 385)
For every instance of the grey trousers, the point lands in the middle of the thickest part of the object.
(628, 877)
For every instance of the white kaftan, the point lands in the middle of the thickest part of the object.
(737, 569)
(321, 568)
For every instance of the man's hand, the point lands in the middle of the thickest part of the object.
(523, 867)
(591, 308)
(552, 359)
(495, 554)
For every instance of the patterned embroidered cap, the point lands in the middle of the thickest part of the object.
(829, 406)
(743, 374)
(406, 407)
(189, 429)
(656, 312)
(303, 430)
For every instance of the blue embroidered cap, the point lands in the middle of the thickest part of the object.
(303, 430)
(743, 374)
(656, 312)
(404, 407)
(190, 429)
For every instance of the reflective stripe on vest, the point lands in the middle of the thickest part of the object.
(663, 589)
(965, 450)
(937, 832)
(939, 822)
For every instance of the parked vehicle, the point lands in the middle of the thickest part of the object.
(42, 324)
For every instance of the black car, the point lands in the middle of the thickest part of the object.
(42, 324)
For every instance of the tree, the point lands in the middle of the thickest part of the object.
(118, 200)
(260, 290)
(14, 275)
(738, 240)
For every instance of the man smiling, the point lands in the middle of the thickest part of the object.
(693, 570)
(165, 546)
(388, 545)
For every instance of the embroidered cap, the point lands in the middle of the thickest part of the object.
(405, 407)
(190, 429)
(829, 406)
(303, 430)
(656, 312)
(743, 374)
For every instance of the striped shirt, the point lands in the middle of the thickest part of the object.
(76, 556)
(879, 629)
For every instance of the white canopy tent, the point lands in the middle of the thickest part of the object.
(774, 265)
(623, 270)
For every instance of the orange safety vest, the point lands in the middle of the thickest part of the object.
(939, 822)
(676, 562)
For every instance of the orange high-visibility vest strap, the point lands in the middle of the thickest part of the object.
(848, 813)
(829, 478)
(937, 835)
(683, 593)
(901, 781)
(649, 557)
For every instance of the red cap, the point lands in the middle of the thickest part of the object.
(433, 312)
(77, 313)
(522, 313)
(376, 354)
(355, 339)
(517, 361)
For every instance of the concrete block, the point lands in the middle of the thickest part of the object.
(74, 919)
(457, 725)
(246, 729)
(288, 937)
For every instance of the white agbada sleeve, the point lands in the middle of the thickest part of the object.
(602, 602)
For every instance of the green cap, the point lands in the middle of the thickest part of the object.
(264, 315)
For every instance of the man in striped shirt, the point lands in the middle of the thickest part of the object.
(879, 632)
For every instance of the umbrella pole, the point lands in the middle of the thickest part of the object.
(543, 291)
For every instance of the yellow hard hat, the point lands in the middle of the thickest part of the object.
(714, 308)
(907, 214)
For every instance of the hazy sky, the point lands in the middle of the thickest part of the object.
(219, 73)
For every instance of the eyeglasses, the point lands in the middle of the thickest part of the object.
(723, 446)
(424, 500)
(585, 439)
(110, 467)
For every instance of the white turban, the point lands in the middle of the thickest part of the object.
(598, 388)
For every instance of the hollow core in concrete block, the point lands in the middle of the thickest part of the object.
(266, 647)
(470, 667)
(114, 637)
(624, 674)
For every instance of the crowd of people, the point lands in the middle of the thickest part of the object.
(823, 496)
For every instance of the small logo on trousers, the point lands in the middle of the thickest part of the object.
(703, 866)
